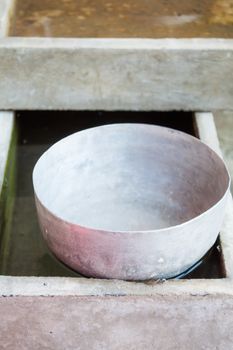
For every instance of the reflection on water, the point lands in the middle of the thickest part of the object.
(129, 18)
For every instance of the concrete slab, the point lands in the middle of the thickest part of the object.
(116, 74)
(224, 125)
(116, 323)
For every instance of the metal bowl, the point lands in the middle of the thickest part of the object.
(130, 201)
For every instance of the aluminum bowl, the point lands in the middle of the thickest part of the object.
(130, 201)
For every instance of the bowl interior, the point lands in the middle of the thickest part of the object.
(129, 177)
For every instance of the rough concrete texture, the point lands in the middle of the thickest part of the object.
(224, 125)
(116, 74)
(133, 323)
(63, 286)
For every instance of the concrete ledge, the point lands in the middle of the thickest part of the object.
(67, 286)
(117, 323)
(116, 74)
(208, 134)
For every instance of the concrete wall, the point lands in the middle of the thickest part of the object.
(117, 323)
